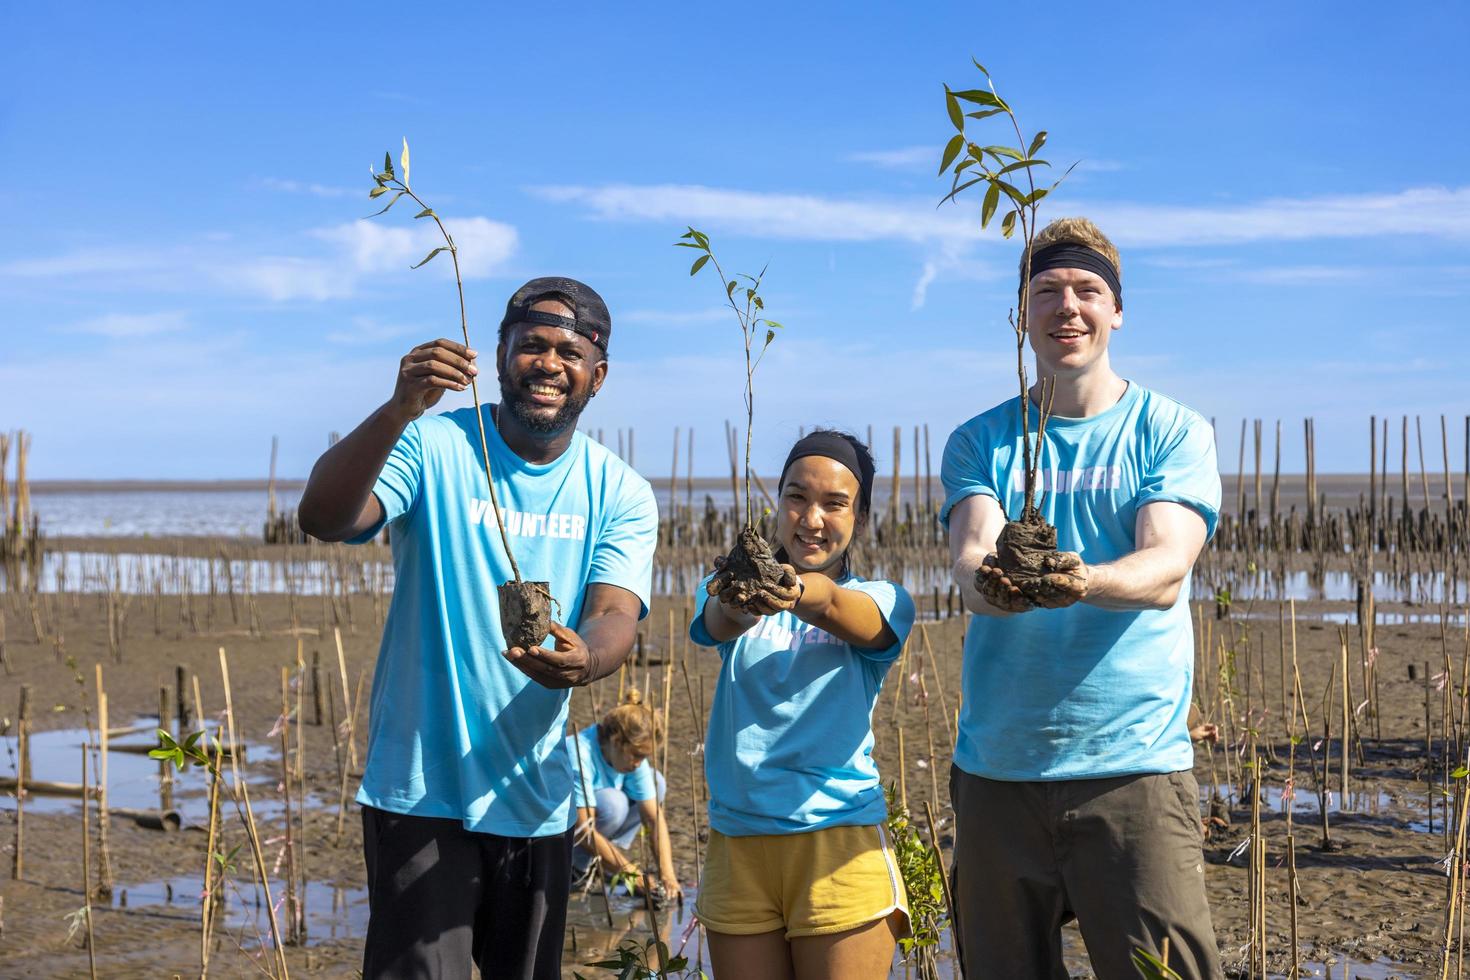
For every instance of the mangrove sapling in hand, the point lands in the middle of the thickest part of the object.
(750, 570)
(525, 607)
(1026, 570)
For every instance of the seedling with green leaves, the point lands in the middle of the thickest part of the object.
(923, 882)
(751, 566)
(635, 961)
(1027, 547)
(525, 607)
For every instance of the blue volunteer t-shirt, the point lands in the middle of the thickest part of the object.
(597, 774)
(456, 731)
(790, 741)
(1083, 692)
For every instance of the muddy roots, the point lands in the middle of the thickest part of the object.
(1026, 551)
(750, 567)
(525, 613)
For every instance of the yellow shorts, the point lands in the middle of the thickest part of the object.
(810, 884)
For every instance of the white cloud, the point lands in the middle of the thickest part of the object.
(908, 158)
(1430, 211)
(1305, 275)
(306, 187)
(365, 330)
(126, 325)
(343, 256)
(676, 318)
(802, 217)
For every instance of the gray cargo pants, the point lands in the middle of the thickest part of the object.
(1121, 855)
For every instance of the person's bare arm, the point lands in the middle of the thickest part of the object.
(1168, 537)
(656, 822)
(725, 621)
(338, 502)
(974, 525)
(613, 859)
(602, 641)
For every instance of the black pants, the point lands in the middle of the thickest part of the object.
(441, 897)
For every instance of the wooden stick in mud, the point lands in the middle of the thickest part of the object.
(209, 900)
(903, 778)
(300, 798)
(943, 871)
(938, 685)
(292, 908)
(165, 768)
(22, 773)
(104, 862)
(347, 714)
(316, 686)
(87, 870)
(1293, 971)
(242, 793)
(585, 831)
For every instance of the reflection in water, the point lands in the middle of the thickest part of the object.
(332, 911)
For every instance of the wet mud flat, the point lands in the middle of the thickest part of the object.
(1380, 900)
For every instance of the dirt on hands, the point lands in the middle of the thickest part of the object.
(525, 613)
(750, 569)
(1026, 551)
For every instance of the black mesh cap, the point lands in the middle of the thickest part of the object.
(591, 321)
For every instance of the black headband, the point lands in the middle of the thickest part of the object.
(833, 446)
(1070, 255)
(525, 314)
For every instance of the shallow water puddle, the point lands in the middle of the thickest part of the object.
(133, 778)
(332, 912)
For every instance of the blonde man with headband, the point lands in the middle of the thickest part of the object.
(616, 791)
(1073, 781)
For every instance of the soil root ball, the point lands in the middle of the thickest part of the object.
(525, 613)
(750, 568)
(1026, 551)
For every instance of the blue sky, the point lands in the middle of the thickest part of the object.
(184, 271)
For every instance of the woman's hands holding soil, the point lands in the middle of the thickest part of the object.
(755, 600)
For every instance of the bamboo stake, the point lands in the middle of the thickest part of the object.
(104, 862)
(347, 713)
(241, 791)
(292, 907)
(210, 899)
(87, 872)
(22, 773)
(165, 768)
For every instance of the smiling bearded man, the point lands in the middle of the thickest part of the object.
(466, 796)
(1072, 782)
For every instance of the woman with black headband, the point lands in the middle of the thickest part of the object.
(799, 881)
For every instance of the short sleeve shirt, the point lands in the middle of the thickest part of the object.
(790, 741)
(1083, 692)
(455, 730)
(592, 772)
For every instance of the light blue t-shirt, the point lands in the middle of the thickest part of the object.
(1083, 692)
(790, 740)
(598, 774)
(455, 730)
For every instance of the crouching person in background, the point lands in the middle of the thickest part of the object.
(617, 791)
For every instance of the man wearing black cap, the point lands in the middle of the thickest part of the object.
(1072, 783)
(467, 786)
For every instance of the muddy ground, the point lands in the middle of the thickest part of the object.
(1381, 897)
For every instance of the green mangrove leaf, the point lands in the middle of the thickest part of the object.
(698, 264)
(951, 150)
(441, 248)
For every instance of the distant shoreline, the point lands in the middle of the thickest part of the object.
(1294, 480)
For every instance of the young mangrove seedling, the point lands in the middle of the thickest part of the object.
(525, 607)
(1027, 546)
(751, 566)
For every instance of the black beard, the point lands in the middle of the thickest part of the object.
(513, 398)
